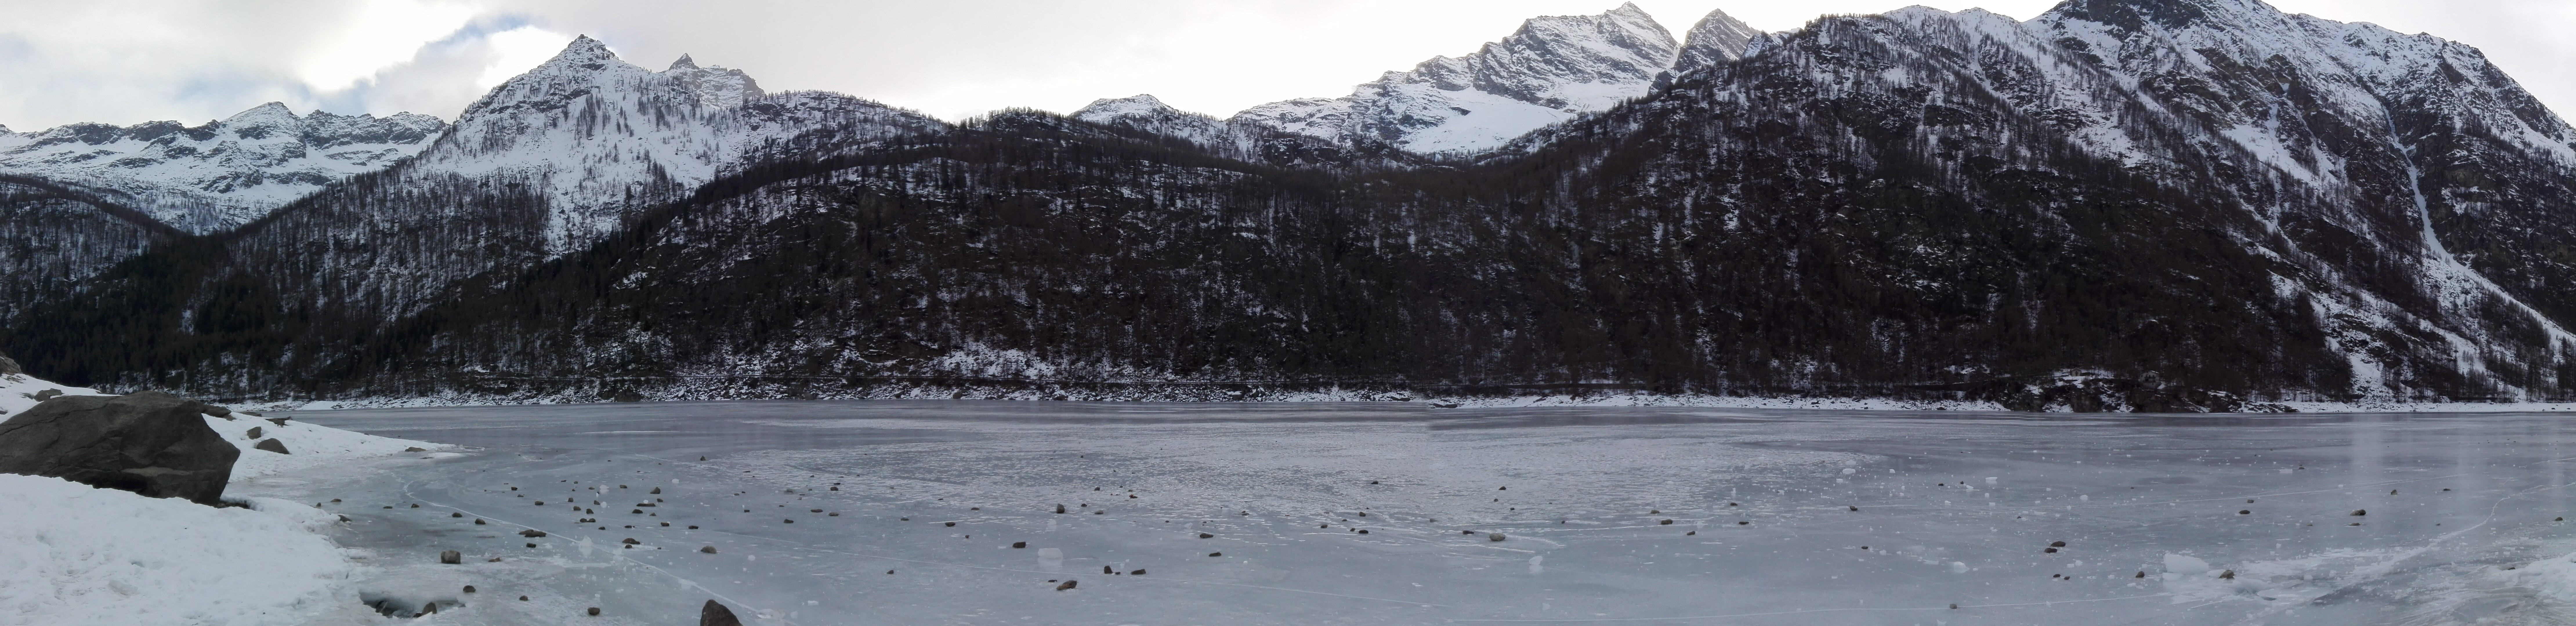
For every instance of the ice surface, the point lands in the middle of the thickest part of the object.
(1953, 508)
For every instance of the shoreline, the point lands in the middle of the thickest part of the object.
(1638, 400)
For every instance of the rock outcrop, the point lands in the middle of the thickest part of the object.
(715, 614)
(149, 442)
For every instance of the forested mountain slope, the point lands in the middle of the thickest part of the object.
(2144, 205)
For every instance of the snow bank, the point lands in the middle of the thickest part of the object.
(72, 554)
(79, 555)
(18, 393)
(307, 445)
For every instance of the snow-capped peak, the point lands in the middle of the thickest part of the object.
(1549, 70)
(583, 50)
(271, 113)
(1105, 109)
(1147, 113)
(604, 134)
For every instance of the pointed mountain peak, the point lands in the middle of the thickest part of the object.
(1628, 9)
(271, 112)
(584, 61)
(582, 51)
(1717, 38)
(684, 61)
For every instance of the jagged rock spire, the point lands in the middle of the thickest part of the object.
(1717, 38)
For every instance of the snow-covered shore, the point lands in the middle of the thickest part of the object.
(76, 554)
(83, 555)
(1440, 401)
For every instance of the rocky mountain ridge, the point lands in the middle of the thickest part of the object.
(220, 174)
(1548, 71)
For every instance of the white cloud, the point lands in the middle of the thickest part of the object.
(518, 50)
(383, 32)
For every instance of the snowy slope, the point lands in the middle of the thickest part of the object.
(81, 555)
(602, 136)
(222, 173)
(18, 393)
(1550, 70)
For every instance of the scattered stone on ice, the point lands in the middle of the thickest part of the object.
(715, 614)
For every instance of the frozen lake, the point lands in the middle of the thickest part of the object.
(1608, 515)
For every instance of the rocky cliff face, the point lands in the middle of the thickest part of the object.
(220, 174)
(1717, 38)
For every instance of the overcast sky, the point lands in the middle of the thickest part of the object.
(130, 61)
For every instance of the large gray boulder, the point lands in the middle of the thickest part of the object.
(151, 443)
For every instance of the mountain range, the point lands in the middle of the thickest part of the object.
(2116, 205)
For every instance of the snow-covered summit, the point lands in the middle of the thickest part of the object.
(1550, 70)
(222, 173)
(602, 136)
(1147, 113)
